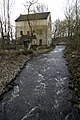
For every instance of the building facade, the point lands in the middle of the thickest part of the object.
(41, 26)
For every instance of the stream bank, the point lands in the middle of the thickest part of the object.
(72, 53)
(11, 66)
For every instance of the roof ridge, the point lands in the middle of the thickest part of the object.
(35, 13)
(38, 16)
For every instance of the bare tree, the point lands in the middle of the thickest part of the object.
(8, 17)
(1, 27)
(33, 6)
(56, 28)
(71, 24)
(6, 8)
(72, 14)
(10, 4)
(29, 7)
(40, 7)
(69, 14)
(76, 17)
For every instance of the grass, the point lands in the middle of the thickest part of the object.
(72, 53)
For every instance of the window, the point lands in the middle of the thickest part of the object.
(28, 33)
(40, 42)
(21, 32)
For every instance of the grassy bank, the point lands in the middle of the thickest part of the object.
(72, 53)
(11, 63)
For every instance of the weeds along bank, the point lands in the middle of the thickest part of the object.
(72, 53)
(11, 63)
(9, 68)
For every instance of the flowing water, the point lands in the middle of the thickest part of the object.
(41, 91)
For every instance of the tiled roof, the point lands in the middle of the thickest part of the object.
(35, 16)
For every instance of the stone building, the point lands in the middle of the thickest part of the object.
(41, 26)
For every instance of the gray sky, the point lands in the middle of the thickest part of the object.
(56, 7)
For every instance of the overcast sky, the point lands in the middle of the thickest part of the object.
(56, 7)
